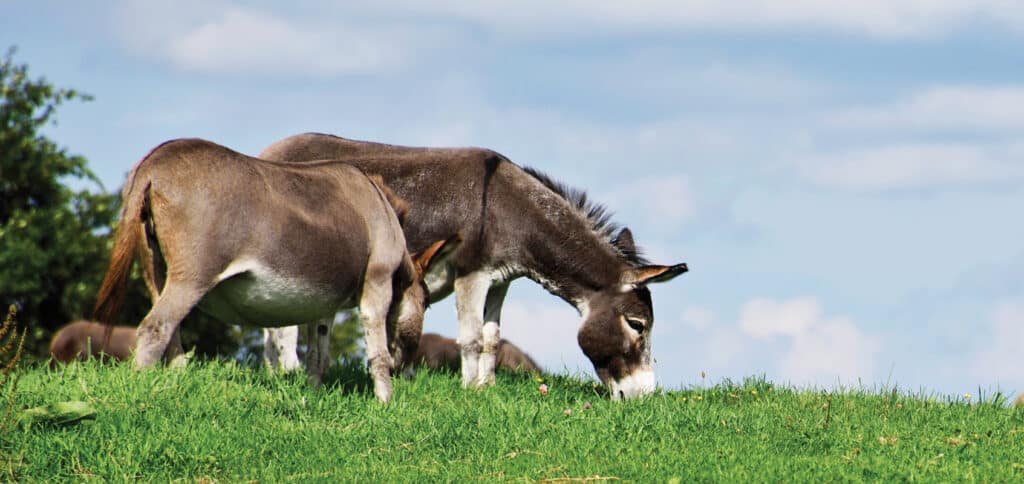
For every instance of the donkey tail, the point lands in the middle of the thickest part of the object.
(126, 240)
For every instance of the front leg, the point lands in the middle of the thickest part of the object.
(373, 311)
(491, 333)
(470, 299)
(279, 348)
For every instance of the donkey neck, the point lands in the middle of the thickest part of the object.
(564, 254)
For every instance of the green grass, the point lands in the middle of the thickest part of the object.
(227, 422)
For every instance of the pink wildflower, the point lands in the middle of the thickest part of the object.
(543, 389)
(568, 411)
(586, 405)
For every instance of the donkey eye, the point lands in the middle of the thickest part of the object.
(636, 324)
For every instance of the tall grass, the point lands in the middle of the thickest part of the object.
(225, 421)
(11, 346)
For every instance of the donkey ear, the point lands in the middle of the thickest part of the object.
(436, 253)
(643, 275)
(624, 241)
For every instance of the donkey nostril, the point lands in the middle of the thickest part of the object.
(622, 394)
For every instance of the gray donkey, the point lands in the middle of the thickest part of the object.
(262, 243)
(515, 223)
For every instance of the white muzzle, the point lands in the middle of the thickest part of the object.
(637, 384)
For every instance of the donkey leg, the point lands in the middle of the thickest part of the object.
(373, 310)
(318, 346)
(491, 333)
(175, 352)
(408, 328)
(160, 325)
(279, 348)
(470, 296)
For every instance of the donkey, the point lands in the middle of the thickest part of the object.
(440, 353)
(81, 339)
(262, 243)
(516, 222)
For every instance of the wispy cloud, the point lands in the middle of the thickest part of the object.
(814, 348)
(663, 202)
(222, 38)
(966, 108)
(698, 318)
(870, 18)
(546, 330)
(1002, 360)
(762, 317)
(912, 166)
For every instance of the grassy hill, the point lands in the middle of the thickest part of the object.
(226, 422)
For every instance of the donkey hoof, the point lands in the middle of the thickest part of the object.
(485, 382)
(383, 392)
(178, 362)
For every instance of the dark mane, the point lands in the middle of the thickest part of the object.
(598, 215)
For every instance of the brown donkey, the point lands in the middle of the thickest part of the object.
(262, 243)
(440, 353)
(79, 340)
(515, 222)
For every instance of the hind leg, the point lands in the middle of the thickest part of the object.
(175, 352)
(318, 349)
(154, 274)
(491, 334)
(160, 326)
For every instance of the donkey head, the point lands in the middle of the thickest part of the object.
(616, 330)
(416, 297)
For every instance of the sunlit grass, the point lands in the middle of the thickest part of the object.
(224, 421)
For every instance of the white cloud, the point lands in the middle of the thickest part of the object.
(871, 18)
(1002, 360)
(832, 350)
(698, 318)
(762, 318)
(915, 166)
(979, 129)
(330, 39)
(663, 202)
(963, 108)
(545, 330)
(245, 41)
(814, 349)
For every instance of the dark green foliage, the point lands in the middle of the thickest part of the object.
(55, 240)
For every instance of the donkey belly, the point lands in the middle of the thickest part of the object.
(269, 301)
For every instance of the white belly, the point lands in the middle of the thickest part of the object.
(251, 294)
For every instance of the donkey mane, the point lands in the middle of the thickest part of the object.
(599, 217)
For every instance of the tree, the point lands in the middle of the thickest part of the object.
(52, 239)
(55, 241)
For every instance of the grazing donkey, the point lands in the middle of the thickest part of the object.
(515, 222)
(262, 243)
(79, 340)
(440, 353)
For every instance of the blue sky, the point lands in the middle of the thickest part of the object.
(844, 180)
